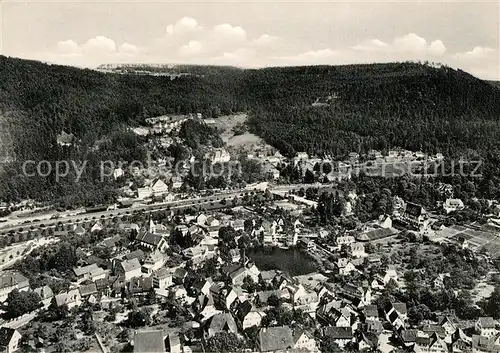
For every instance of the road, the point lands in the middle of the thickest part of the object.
(156, 207)
(37, 221)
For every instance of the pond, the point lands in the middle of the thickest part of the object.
(291, 261)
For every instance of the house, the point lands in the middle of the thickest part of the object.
(452, 205)
(10, 280)
(485, 326)
(301, 296)
(64, 139)
(149, 341)
(218, 155)
(238, 224)
(415, 216)
(430, 344)
(239, 273)
(374, 326)
(222, 322)
(140, 285)
(91, 272)
(173, 343)
(346, 240)
(304, 340)
(340, 335)
(278, 338)
(248, 316)
(438, 282)
(153, 262)
(71, 298)
(235, 255)
(79, 230)
(176, 182)
(9, 339)
(385, 222)
(46, 294)
(151, 241)
(159, 188)
(143, 193)
(223, 297)
(163, 278)
(345, 266)
(449, 326)
(262, 297)
(179, 292)
(201, 219)
(482, 344)
(97, 227)
(88, 290)
(370, 312)
(358, 250)
(130, 269)
(396, 314)
(212, 222)
(390, 275)
(460, 342)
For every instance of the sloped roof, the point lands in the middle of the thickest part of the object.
(275, 338)
(149, 341)
(130, 265)
(339, 332)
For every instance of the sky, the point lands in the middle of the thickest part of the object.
(254, 33)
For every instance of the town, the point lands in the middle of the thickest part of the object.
(282, 254)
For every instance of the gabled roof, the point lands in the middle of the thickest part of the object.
(149, 238)
(149, 341)
(487, 322)
(88, 289)
(221, 322)
(130, 265)
(370, 310)
(275, 338)
(339, 332)
(44, 292)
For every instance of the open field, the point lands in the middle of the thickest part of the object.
(245, 141)
(477, 237)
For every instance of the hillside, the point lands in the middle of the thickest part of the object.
(362, 107)
(375, 106)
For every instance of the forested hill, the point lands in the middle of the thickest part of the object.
(320, 109)
(374, 106)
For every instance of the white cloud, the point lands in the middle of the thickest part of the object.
(371, 45)
(99, 45)
(127, 48)
(265, 39)
(476, 53)
(226, 31)
(437, 47)
(192, 48)
(409, 44)
(183, 26)
(68, 47)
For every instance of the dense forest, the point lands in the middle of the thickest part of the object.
(410, 105)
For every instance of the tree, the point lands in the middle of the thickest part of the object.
(328, 345)
(493, 303)
(19, 303)
(138, 318)
(223, 342)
